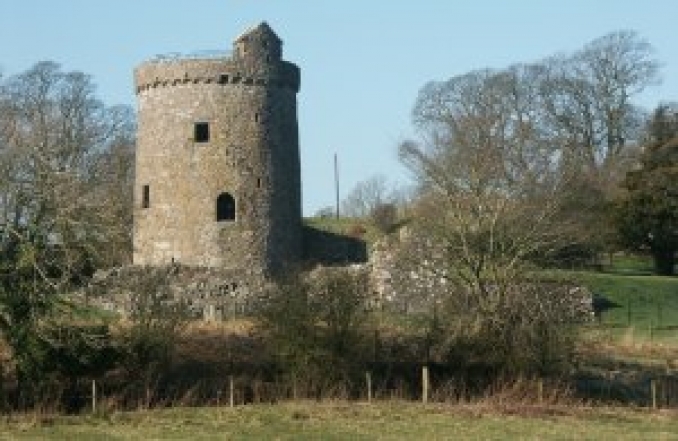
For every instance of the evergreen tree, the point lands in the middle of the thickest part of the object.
(647, 216)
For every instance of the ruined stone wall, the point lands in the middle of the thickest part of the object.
(248, 101)
(201, 293)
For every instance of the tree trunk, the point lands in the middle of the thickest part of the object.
(664, 262)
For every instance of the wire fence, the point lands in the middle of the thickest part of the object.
(428, 383)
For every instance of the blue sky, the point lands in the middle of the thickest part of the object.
(362, 61)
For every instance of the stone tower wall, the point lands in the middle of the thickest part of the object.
(248, 101)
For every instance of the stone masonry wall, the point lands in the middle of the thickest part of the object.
(209, 294)
(248, 101)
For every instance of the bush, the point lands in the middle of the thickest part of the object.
(384, 217)
(156, 321)
(356, 230)
(315, 325)
(526, 328)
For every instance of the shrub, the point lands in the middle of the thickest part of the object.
(156, 321)
(314, 324)
(357, 231)
(523, 328)
(384, 217)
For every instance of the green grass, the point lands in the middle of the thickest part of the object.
(648, 304)
(643, 330)
(346, 226)
(632, 264)
(643, 293)
(352, 421)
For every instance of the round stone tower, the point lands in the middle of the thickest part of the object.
(217, 165)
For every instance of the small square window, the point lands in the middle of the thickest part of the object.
(201, 132)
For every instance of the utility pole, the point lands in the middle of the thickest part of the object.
(336, 182)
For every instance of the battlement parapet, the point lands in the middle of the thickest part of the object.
(178, 71)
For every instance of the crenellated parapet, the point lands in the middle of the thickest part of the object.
(180, 72)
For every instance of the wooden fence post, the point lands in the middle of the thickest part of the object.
(653, 392)
(231, 391)
(424, 384)
(540, 390)
(368, 380)
(94, 396)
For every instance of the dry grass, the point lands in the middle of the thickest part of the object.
(653, 354)
(389, 420)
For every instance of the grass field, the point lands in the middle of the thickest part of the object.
(353, 421)
(646, 305)
(346, 226)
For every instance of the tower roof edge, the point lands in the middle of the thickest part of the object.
(261, 30)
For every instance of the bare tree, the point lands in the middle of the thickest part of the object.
(325, 212)
(365, 196)
(64, 204)
(487, 173)
(588, 97)
(499, 153)
(59, 145)
(490, 183)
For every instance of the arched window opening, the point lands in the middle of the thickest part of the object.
(225, 207)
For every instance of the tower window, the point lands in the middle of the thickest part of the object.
(225, 207)
(201, 132)
(256, 117)
(146, 196)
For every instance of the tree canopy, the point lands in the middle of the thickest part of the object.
(65, 205)
(647, 215)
